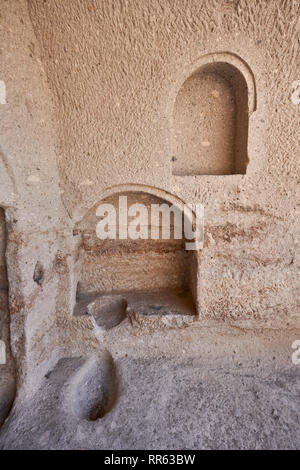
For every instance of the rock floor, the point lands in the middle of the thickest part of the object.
(194, 388)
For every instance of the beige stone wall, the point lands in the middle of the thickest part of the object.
(91, 89)
(115, 70)
(29, 191)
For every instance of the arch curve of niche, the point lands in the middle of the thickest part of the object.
(153, 276)
(80, 213)
(210, 108)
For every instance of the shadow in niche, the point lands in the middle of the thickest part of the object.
(7, 368)
(153, 277)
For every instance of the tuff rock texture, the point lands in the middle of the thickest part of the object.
(169, 101)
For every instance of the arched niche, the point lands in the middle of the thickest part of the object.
(210, 119)
(157, 276)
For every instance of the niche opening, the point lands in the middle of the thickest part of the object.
(153, 276)
(210, 122)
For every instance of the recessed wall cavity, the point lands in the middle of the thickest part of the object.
(136, 268)
(38, 274)
(7, 381)
(210, 122)
(4, 313)
(3, 273)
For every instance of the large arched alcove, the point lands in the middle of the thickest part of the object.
(154, 275)
(211, 118)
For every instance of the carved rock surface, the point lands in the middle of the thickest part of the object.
(93, 388)
(108, 310)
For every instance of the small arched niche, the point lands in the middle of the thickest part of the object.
(210, 120)
(154, 276)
